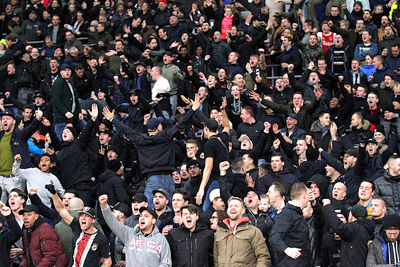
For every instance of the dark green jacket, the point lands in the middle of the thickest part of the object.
(304, 114)
(62, 101)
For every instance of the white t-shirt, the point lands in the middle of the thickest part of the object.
(160, 86)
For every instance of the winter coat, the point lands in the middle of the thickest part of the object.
(378, 251)
(191, 249)
(388, 187)
(63, 100)
(220, 52)
(8, 236)
(19, 144)
(73, 160)
(304, 114)
(293, 56)
(242, 246)
(355, 236)
(141, 250)
(111, 184)
(291, 230)
(42, 244)
(261, 221)
(321, 135)
(284, 177)
(156, 152)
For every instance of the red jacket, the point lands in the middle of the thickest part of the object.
(42, 243)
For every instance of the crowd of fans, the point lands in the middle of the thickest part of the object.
(155, 133)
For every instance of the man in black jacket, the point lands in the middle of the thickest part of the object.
(289, 235)
(73, 159)
(191, 244)
(8, 236)
(355, 234)
(155, 149)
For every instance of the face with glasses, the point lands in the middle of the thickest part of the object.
(193, 170)
(214, 222)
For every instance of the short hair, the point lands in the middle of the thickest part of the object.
(192, 208)
(380, 58)
(28, 107)
(20, 193)
(264, 167)
(236, 198)
(389, 75)
(279, 188)
(310, 22)
(47, 155)
(297, 190)
(277, 154)
(346, 22)
(158, 69)
(79, 66)
(237, 164)
(264, 196)
(372, 184)
(192, 141)
(183, 192)
(249, 110)
(71, 191)
(381, 199)
(393, 158)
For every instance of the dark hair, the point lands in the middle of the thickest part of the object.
(19, 192)
(372, 184)
(297, 190)
(184, 193)
(249, 110)
(47, 155)
(237, 164)
(192, 208)
(278, 154)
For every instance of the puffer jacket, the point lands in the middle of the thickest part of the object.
(190, 249)
(43, 245)
(241, 246)
(377, 249)
(388, 187)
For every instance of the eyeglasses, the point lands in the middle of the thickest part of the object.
(214, 217)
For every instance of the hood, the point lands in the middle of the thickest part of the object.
(107, 174)
(322, 182)
(390, 38)
(366, 126)
(368, 224)
(242, 222)
(37, 223)
(317, 127)
(390, 178)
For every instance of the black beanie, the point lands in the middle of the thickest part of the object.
(114, 165)
(73, 131)
(391, 221)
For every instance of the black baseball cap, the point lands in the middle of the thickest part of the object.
(153, 123)
(373, 141)
(152, 212)
(211, 124)
(88, 211)
(65, 66)
(191, 163)
(162, 191)
(38, 95)
(352, 152)
(139, 197)
(29, 208)
(8, 114)
(122, 207)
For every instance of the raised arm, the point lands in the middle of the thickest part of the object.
(67, 218)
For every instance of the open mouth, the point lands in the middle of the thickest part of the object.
(335, 194)
(156, 203)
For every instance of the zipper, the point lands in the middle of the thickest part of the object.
(191, 249)
(44, 245)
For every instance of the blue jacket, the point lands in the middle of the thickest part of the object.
(362, 50)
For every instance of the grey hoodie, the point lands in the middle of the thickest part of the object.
(151, 250)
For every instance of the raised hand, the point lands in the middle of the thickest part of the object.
(103, 200)
(94, 113)
(108, 114)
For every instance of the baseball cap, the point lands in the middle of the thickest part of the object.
(293, 116)
(137, 63)
(139, 197)
(152, 212)
(38, 95)
(110, 133)
(211, 124)
(351, 152)
(65, 66)
(88, 211)
(359, 211)
(8, 114)
(162, 191)
(373, 141)
(29, 208)
(214, 194)
(133, 92)
(153, 123)
(113, 148)
(122, 207)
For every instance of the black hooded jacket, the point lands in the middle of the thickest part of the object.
(355, 236)
(111, 184)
